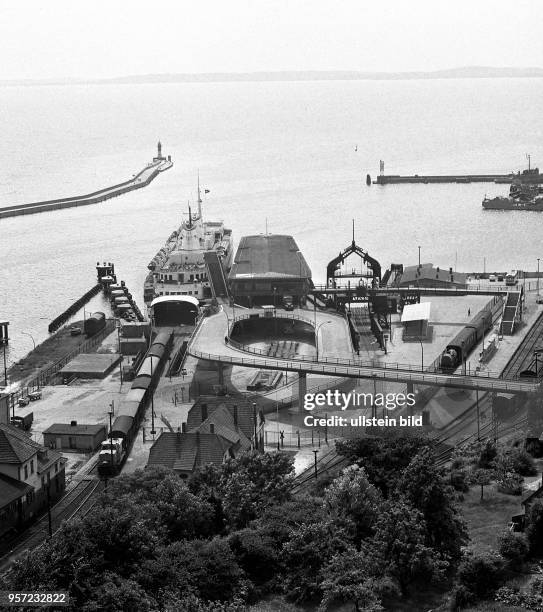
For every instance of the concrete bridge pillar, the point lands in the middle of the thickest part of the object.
(410, 389)
(220, 370)
(302, 390)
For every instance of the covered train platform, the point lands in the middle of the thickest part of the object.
(174, 310)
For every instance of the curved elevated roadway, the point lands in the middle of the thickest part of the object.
(209, 342)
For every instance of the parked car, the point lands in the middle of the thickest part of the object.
(24, 401)
(35, 395)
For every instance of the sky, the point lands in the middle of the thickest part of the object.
(109, 38)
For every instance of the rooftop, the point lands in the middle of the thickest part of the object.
(79, 429)
(416, 312)
(243, 407)
(222, 422)
(11, 490)
(269, 255)
(188, 451)
(15, 445)
(427, 272)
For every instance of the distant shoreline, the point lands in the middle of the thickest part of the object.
(473, 72)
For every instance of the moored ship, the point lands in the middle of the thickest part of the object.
(193, 262)
(523, 195)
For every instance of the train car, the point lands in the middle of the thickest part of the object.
(156, 350)
(141, 383)
(132, 408)
(136, 394)
(95, 323)
(461, 346)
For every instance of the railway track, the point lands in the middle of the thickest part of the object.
(76, 502)
(452, 436)
(524, 354)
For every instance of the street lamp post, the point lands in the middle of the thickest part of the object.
(419, 256)
(153, 431)
(316, 451)
(317, 336)
(5, 366)
(111, 436)
(421, 349)
(538, 277)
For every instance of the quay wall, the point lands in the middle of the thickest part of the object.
(447, 178)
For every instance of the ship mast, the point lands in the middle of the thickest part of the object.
(199, 198)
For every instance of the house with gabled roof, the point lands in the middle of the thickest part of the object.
(34, 467)
(186, 452)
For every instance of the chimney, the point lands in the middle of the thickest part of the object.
(73, 423)
(204, 412)
(184, 427)
(178, 434)
(211, 428)
(235, 415)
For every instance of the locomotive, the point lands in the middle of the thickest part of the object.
(460, 347)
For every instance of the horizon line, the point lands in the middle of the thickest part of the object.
(289, 75)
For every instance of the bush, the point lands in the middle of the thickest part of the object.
(488, 453)
(514, 597)
(523, 463)
(459, 481)
(514, 548)
(481, 573)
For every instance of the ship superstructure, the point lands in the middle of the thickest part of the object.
(183, 264)
(522, 196)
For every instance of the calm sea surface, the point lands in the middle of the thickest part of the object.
(284, 152)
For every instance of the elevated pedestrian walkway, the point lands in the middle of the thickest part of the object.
(210, 343)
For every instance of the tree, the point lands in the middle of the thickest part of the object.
(117, 594)
(207, 569)
(350, 577)
(180, 512)
(309, 548)
(353, 498)
(399, 546)
(480, 574)
(481, 477)
(277, 522)
(383, 458)
(256, 554)
(514, 548)
(523, 463)
(424, 487)
(487, 455)
(534, 527)
(253, 481)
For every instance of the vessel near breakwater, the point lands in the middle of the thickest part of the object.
(159, 164)
(190, 268)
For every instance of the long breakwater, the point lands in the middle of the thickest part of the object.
(140, 180)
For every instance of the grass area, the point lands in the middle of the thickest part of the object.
(488, 519)
(47, 353)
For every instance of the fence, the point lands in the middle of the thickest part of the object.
(44, 376)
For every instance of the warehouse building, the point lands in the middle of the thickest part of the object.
(267, 269)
